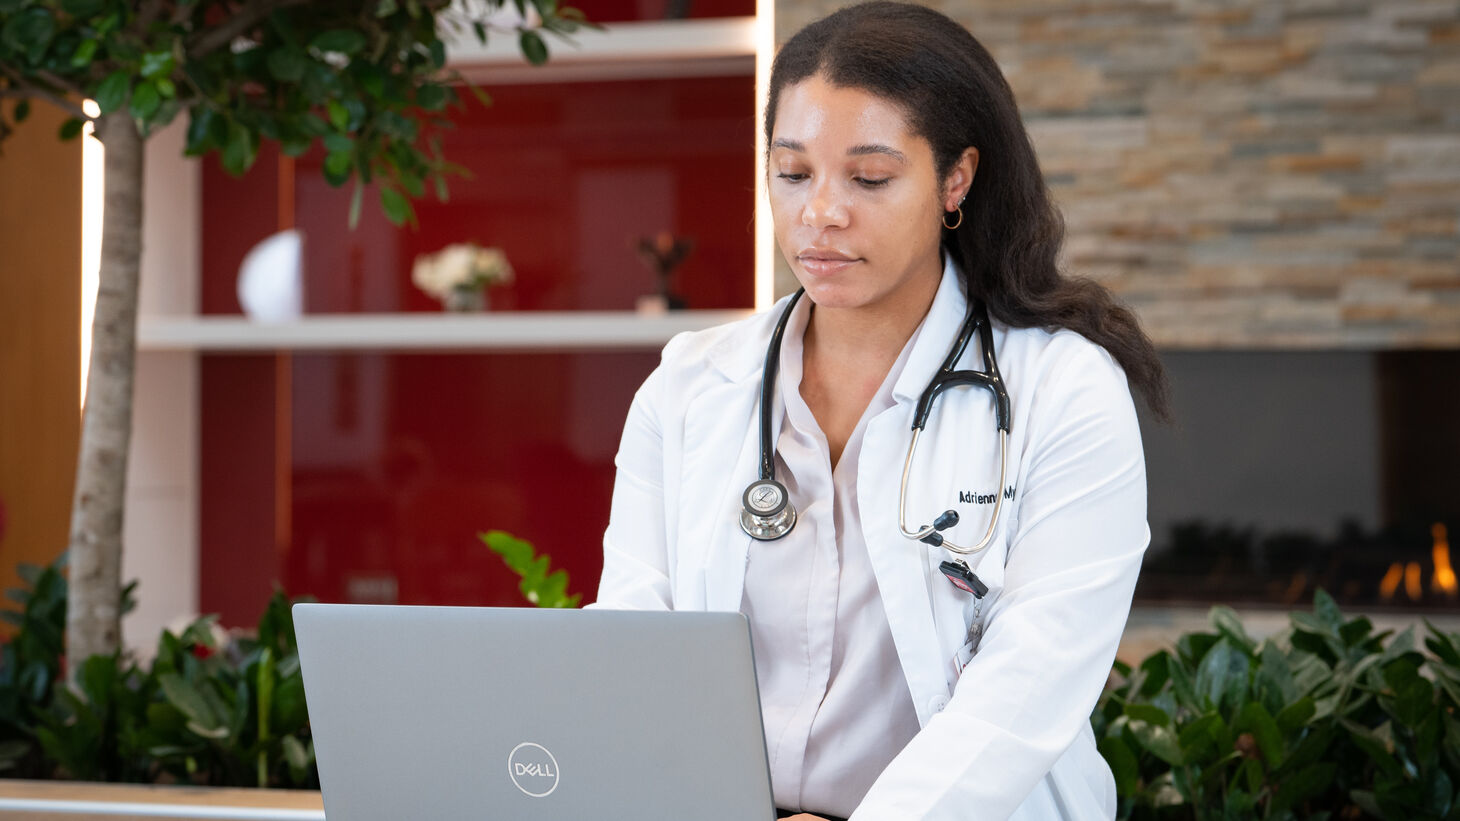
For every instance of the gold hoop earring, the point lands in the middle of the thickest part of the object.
(956, 224)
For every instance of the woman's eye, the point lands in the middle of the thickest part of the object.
(791, 177)
(873, 183)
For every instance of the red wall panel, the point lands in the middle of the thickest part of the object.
(365, 476)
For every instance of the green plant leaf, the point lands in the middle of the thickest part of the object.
(291, 714)
(111, 93)
(1303, 785)
(337, 165)
(84, 53)
(29, 32)
(287, 65)
(1327, 611)
(397, 208)
(1221, 678)
(1296, 715)
(157, 64)
(1123, 765)
(1379, 746)
(145, 100)
(239, 152)
(1159, 741)
(1229, 624)
(339, 116)
(191, 703)
(1255, 719)
(343, 41)
(1205, 740)
(431, 97)
(1273, 680)
(1356, 631)
(1148, 713)
(264, 688)
(1442, 644)
(298, 757)
(200, 131)
(212, 733)
(533, 47)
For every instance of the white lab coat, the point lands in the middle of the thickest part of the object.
(1009, 737)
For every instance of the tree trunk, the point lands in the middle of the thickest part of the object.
(93, 617)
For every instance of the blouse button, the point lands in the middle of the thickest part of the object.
(937, 704)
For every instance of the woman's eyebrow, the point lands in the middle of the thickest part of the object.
(854, 151)
(875, 148)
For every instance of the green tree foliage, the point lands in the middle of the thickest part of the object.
(367, 80)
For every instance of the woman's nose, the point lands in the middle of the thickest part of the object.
(824, 208)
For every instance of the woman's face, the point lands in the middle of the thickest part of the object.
(855, 197)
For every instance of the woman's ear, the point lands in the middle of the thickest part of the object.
(960, 179)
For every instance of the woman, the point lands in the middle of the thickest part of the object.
(905, 196)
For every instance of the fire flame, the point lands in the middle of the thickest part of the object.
(1390, 582)
(1442, 582)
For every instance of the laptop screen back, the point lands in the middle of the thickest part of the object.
(495, 713)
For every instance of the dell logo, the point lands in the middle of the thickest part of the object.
(533, 769)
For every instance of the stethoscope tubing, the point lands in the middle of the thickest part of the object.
(927, 530)
(777, 518)
(767, 392)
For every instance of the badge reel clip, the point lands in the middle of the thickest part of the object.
(957, 570)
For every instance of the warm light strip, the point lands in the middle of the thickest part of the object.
(93, 197)
(765, 238)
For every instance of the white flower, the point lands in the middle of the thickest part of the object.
(461, 265)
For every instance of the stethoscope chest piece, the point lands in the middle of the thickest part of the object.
(766, 512)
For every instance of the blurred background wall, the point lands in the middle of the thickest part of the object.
(40, 343)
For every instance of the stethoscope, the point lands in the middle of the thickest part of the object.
(767, 513)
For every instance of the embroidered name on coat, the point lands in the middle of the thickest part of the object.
(969, 497)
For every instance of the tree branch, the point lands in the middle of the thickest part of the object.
(60, 84)
(22, 88)
(210, 40)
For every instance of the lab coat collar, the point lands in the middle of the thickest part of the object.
(739, 358)
(741, 355)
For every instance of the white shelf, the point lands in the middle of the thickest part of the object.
(668, 48)
(504, 331)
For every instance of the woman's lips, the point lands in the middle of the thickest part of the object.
(822, 266)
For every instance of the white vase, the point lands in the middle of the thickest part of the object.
(270, 280)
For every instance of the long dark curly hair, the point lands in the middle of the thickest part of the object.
(955, 96)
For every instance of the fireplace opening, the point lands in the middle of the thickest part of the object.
(1290, 471)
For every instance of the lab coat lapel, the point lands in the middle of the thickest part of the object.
(713, 551)
(906, 569)
(712, 545)
(899, 562)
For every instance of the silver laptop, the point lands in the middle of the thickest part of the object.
(447, 713)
